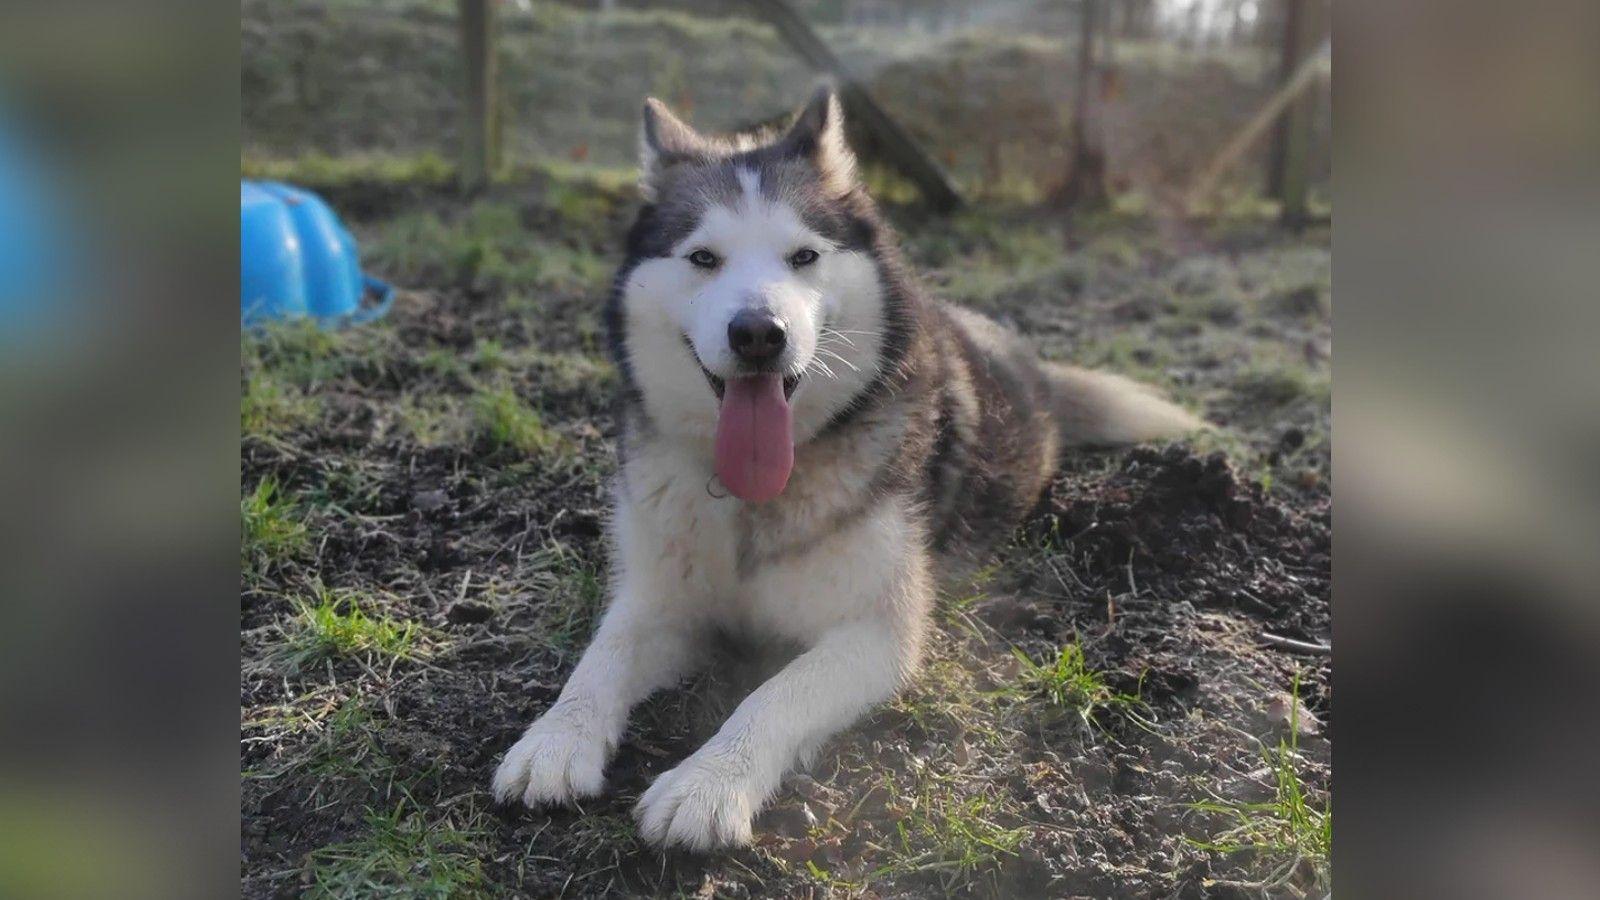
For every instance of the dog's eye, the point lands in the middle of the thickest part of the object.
(704, 258)
(805, 256)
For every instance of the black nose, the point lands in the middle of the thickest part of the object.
(756, 335)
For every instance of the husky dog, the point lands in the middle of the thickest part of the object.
(808, 445)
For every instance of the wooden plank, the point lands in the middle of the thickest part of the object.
(1270, 111)
(480, 128)
(894, 143)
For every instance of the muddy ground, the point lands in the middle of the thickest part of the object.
(423, 509)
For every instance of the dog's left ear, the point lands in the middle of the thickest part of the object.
(664, 141)
(818, 135)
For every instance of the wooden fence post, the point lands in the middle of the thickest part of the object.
(1087, 187)
(480, 127)
(1289, 173)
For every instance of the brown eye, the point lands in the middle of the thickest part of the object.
(704, 258)
(805, 256)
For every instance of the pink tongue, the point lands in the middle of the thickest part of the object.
(755, 442)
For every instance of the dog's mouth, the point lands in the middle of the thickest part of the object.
(754, 446)
(719, 386)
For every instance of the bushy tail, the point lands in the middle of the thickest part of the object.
(1098, 408)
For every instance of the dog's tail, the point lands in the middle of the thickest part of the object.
(1100, 409)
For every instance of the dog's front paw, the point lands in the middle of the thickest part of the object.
(556, 761)
(703, 803)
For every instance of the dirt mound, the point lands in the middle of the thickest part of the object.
(1186, 527)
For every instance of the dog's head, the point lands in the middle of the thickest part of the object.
(751, 312)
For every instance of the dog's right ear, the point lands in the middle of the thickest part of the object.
(664, 141)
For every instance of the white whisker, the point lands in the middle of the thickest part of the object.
(839, 358)
(822, 366)
(830, 333)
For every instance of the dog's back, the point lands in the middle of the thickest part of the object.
(1002, 419)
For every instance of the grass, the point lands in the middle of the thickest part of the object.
(319, 170)
(271, 527)
(1287, 830)
(1068, 683)
(489, 355)
(573, 591)
(401, 855)
(1279, 384)
(939, 830)
(946, 699)
(504, 422)
(346, 490)
(345, 744)
(490, 246)
(335, 624)
(1002, 264)
(269, 408)
(431, 420)
(305, 354)
(285, 362)
(955, 604)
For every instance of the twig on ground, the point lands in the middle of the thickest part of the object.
(1289, 643)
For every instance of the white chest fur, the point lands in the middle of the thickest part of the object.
(685, 545)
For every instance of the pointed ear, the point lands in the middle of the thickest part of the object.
(818, 134)
(664, 140)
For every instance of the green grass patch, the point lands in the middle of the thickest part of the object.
(504, 422)
(348, 747)
(335, 623)
(301, 352)
(1140, 358)
(344, 745)
(989, 261)
(443, 362)
(954, 605)
(1279, 384)
(348, 488)
(402, 855)
(576, 593)
(272, 529)
(489, 355)
(571, 372)
(945, 700)
(269, 408)
(489, 246)
(941, 831)
(318, 171)
(1068, 683)
(1287, 830)
(432, 420)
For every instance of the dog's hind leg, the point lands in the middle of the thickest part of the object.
(642, 645)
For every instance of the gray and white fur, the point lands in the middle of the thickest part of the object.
(921, 434)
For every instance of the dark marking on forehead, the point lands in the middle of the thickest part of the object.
(796, 183)
(690, 188)
(683, 198)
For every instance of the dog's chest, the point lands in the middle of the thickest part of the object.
(764, 571)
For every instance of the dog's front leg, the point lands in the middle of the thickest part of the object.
(710, 799)
(641, 646)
